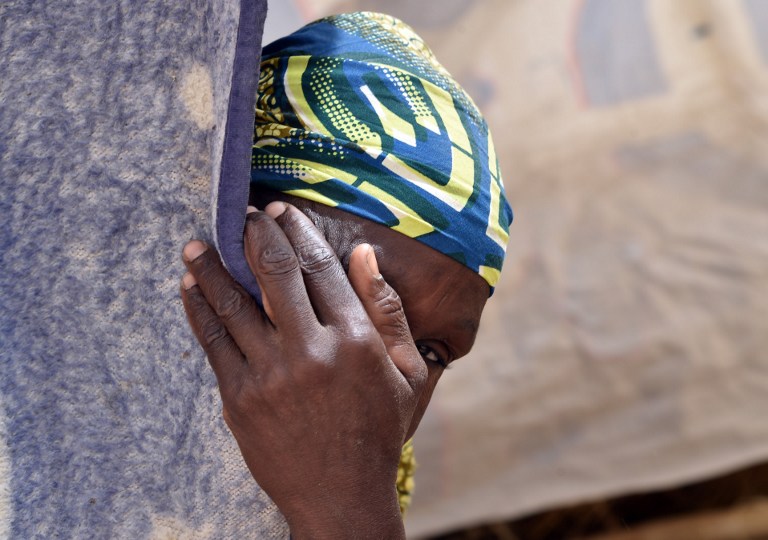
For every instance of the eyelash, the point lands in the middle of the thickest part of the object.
(425, 350)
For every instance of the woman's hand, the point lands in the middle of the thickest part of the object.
(320, 388)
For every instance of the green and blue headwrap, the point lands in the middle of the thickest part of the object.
(355, 112)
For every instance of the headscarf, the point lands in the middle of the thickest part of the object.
(355, 112)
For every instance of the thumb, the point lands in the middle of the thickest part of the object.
(385, 309)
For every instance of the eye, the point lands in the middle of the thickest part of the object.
(430, 354)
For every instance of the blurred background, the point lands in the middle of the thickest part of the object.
(619, 385)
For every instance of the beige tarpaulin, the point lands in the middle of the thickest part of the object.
(625, 348)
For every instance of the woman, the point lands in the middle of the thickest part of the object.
(376, 174)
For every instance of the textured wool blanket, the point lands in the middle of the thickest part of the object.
(119, 123)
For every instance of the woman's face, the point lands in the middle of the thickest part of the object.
(442, 299)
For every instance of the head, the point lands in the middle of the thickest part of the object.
(359, 127)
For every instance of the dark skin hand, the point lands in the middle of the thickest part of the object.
(322, 387)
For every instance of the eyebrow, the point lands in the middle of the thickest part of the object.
(471, 325)
(467, 329)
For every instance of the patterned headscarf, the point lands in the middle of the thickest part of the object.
(355, 112)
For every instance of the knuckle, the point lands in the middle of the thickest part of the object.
(391, 314)
(213, 334)
(267, 387)
(312, 251)
(231, 302)
(315, 259)
(388, 301)
(248, 397)
(311, 354)
(277, 261)
(420, 373)
(316, 364)
(415, 370)
(364, 343)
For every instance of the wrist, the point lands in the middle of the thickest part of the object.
(340, 517)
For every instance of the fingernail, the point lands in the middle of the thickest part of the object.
(275, 209)
(373, 265)
(251, 210)
(188, 281)
(193, 250)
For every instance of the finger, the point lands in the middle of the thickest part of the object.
(273, 262)
(385, 310)
(327, 284)
(238, 312)
(225, 357)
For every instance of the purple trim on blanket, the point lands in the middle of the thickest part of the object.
(234, 180)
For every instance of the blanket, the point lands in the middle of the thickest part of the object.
(120, 122)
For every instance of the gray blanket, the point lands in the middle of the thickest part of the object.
(119, 123)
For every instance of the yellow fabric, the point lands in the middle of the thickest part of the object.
(405, 472)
